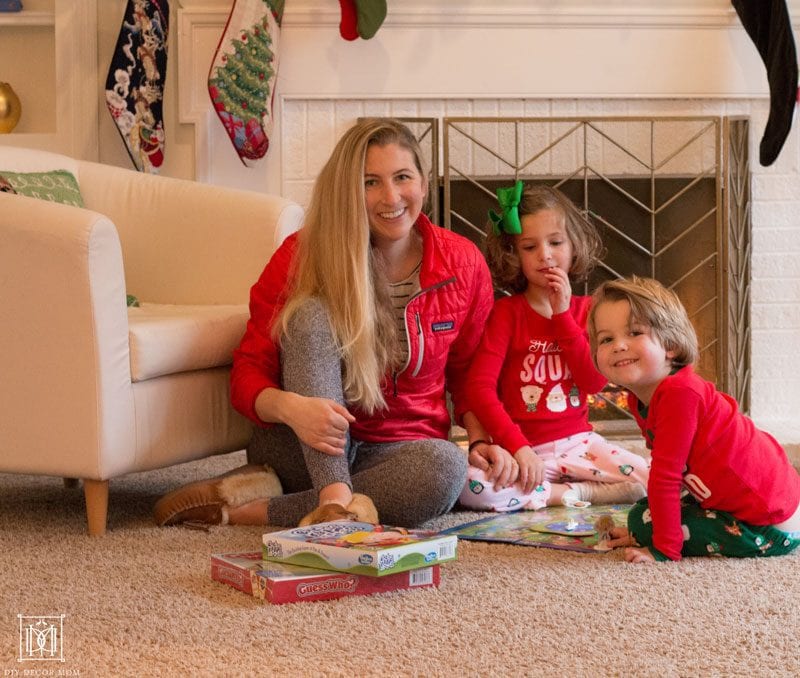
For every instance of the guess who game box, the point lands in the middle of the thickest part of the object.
(280, 583)
(359, 548)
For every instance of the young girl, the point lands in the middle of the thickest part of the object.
(718, 485)
(533, 370)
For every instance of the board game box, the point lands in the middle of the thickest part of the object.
(555, 527)
(280, 583)
(359, 548)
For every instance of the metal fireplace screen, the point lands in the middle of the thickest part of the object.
(670, 197)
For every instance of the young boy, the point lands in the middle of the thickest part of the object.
(718, 485)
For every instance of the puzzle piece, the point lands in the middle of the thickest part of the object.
(568, 528)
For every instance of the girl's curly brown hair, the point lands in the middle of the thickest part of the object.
(501, 250)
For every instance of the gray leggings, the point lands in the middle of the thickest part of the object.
(409, 481)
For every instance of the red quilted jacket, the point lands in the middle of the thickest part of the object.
(444, 322)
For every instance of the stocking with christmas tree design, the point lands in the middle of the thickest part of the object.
(241, 81)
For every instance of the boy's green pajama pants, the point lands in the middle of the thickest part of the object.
(708, 532)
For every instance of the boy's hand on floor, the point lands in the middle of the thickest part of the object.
(619, 536)
(636, 555)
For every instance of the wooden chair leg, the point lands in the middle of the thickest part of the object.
(96, 495)
(71, 483)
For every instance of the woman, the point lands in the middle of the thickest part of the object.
(344, 367)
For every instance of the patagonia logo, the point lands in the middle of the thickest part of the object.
(443, 326)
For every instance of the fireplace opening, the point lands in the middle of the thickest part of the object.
(669, 196)
(684, 241)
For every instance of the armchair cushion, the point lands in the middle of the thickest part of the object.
(168, 339)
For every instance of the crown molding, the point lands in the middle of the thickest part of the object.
(453, 14)
(449, 14)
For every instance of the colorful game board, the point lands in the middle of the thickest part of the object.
(359, 548)
(556, 527)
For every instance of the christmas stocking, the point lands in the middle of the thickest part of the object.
(769, 27)
(348, 26)
(135, 82)
(371, 14)
(361, 18)
(241, 81)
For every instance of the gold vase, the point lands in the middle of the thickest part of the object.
(10, 108)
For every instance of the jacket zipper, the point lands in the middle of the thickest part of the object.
(421, 349)
(420, 334)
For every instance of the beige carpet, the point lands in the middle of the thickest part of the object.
(140, 602)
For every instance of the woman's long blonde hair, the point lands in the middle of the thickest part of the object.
(336, 263)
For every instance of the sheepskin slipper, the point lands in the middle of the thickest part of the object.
(360, 509)
(207, 501)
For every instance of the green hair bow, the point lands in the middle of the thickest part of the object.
(508, 220)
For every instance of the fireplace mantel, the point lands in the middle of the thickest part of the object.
(475, 49)
(469, 48)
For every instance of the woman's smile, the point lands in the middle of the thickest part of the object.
(392, 215)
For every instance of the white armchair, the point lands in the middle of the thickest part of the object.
(91, 389)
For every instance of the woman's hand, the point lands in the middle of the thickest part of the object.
(531, 469)
(318, 422)
(496, 462)
(560, 290)
(638, 555)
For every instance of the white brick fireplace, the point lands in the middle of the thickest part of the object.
(537, 58)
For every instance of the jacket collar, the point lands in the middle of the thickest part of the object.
(435, 267)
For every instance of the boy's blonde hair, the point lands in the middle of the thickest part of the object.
(501, 250)
(336, 264)
(653, 305)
